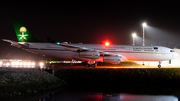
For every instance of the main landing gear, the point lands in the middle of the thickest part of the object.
(159, 66)
(92, 65)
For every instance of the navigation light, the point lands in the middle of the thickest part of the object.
(58, 43)
(106, 43)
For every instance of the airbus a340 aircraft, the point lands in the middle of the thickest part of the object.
(90, 52)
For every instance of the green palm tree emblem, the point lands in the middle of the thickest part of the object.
(23, 30)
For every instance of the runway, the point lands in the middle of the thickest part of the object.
(122, 67)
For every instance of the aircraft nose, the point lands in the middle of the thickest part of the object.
(176, 55)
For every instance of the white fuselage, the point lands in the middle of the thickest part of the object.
(127, 52)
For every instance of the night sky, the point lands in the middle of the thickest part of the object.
(91, 22)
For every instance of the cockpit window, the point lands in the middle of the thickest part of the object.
(172, 51)
(155, 47)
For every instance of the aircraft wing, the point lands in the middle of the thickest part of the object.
(70, 47)
(74, 48)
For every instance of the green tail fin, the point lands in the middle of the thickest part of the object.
(23, 35)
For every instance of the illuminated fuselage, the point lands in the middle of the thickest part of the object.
(127, 52)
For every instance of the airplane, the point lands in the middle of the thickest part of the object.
(89, 52)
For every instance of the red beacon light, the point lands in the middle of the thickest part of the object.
(107, 44)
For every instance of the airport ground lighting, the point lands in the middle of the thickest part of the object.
(41, 64)
(1, 63)
(134, 36)
(144, 25)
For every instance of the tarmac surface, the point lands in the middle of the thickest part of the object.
(123, 67)
(70, 66)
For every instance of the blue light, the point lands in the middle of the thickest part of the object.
(58, 43)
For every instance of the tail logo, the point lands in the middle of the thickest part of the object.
(23, 30)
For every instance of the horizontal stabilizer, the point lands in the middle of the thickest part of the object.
(17, 44)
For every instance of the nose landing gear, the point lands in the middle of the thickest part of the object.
(159, 66)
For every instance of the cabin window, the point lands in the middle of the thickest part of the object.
(172, 51)
(155, 47)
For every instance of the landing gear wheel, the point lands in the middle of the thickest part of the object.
(87, 65)
(143, 63)
(93, 65)
(159, 66)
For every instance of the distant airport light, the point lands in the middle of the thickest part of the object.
(107, 44)
(20, 63)
(25, 63)
(12, 63)
(16, 63)
(41, 64)
(7, 64)
(33, 63)
(29, 63)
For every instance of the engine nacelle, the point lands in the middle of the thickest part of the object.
(112, 59)
(90, 55)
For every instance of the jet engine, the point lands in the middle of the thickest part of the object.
(90, 55)
(112, 59)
